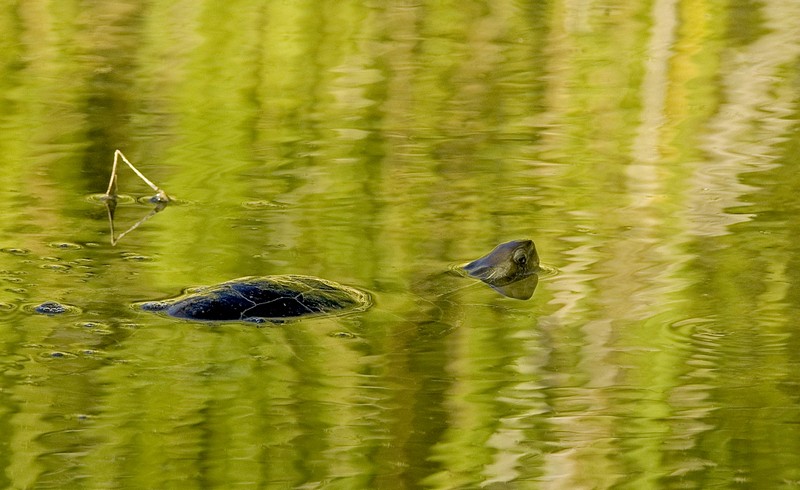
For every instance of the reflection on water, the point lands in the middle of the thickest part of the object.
(110, 202)
(521, 289)
(648, 148)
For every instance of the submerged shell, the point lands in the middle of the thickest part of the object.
(264, 298)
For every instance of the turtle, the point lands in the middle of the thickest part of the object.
(509, 269)
(263, 298)
(508, 262)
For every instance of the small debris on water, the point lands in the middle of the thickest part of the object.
(51, 308)
(59, 354)
(56, 267)
(134, 257)
(93, 325)
(65, 245)
(15, 251)
(263, 204)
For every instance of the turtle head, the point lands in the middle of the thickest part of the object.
(508, 262)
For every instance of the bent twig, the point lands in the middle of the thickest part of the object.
(111, 192)
(161, 199)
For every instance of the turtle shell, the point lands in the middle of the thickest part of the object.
(263, 298)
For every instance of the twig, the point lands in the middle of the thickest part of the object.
(160, 196)
(161, 199)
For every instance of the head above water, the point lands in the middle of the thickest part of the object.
(507, 263)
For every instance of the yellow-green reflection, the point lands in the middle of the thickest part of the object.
(649, 148)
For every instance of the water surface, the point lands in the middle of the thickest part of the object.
(649, 148)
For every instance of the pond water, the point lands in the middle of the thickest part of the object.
(650, 149)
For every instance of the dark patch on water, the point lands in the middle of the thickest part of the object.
(52, 308)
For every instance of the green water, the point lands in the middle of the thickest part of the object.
(649, 148)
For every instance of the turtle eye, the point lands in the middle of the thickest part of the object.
(520, 257)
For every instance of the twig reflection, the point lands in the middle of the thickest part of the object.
(160, 199)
